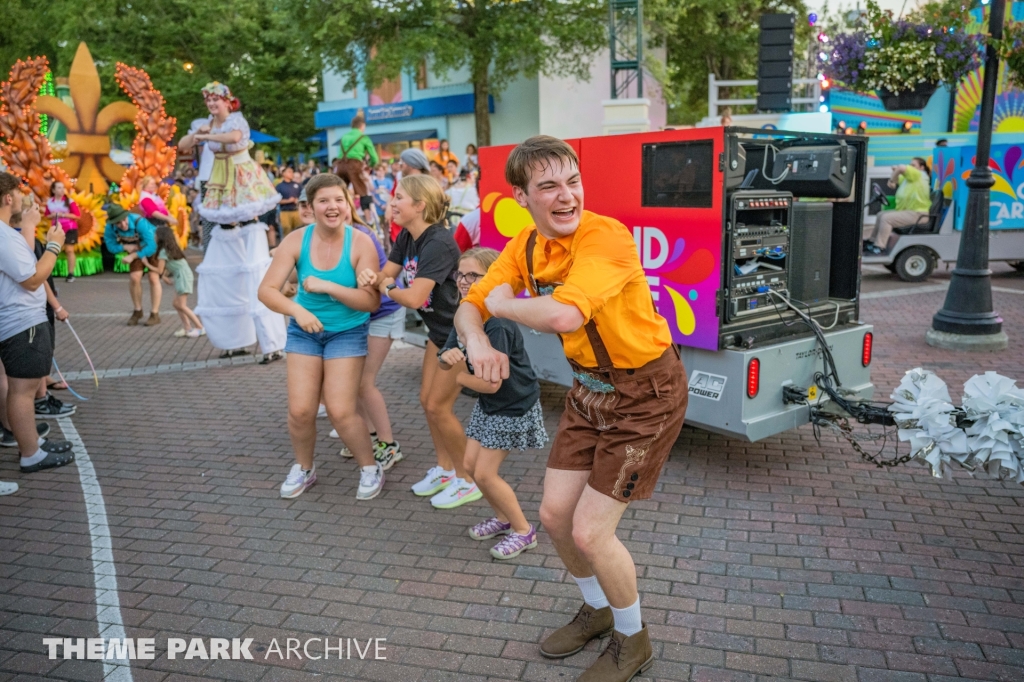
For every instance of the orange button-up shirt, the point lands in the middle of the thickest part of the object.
(600, 274)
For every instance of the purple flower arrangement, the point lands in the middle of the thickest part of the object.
(898, 56)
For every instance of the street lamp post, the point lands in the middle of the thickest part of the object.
(967, 320)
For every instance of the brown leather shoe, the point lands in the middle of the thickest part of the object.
(569, 639)
(623, 659)
(134, 319)
(154, 319)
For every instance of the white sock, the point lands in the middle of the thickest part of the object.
(592, 592)
(34, 459)
(371, 469)
(627, 620)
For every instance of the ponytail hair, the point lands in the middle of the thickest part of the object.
(426, 189)
(166, 240)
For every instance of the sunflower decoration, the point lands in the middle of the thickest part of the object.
(177, 205)
(91, 223)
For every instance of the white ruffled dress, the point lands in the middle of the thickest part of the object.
(237, 258)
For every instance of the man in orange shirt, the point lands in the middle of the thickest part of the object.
(628, 398)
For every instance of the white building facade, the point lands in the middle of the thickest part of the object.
(421, 108)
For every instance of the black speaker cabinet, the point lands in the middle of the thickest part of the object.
(810, 246)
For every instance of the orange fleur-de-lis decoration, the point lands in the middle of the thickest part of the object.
(88, 126)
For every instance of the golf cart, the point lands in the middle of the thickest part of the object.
(913, 252)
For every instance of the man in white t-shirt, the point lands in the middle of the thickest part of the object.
(25, 350)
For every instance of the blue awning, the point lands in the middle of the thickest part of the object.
(262, 138)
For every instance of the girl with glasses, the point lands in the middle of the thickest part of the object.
(507, 417)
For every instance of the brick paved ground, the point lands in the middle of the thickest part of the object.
(783, 559)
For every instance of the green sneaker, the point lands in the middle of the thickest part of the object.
(455, 495)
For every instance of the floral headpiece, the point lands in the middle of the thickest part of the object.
(217, 89)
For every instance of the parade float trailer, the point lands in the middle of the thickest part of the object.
(751, 240)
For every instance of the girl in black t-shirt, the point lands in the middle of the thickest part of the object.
(507, 417)
(423, 261)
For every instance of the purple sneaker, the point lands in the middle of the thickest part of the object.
(492, 527)
(513, 544)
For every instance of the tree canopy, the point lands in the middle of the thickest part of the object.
(497, 40)
(711, 36)
(254, 46)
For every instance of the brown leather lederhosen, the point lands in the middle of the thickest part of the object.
(619, 424)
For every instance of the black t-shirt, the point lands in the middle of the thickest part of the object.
(520, 391)
(435, 256)
(289, 190)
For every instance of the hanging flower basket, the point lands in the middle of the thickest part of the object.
(904, 61)
(908, 99)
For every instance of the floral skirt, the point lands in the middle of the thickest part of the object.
(496, 432)
(238, 191)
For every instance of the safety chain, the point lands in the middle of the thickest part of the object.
(841, 425)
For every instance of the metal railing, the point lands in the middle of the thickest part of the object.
(806, 94)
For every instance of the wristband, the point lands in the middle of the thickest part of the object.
(53, 247)
(59, 309)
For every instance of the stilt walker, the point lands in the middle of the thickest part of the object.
(236, 194)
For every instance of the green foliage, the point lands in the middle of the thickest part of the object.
(1011, 50)
(252, 45)
(369, 41)
(712, 36)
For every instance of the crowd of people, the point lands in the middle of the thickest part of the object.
(330, 294)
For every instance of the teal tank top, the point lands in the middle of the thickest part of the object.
(335, 315)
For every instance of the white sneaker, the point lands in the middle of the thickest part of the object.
(436, 480)
(181, 333)
(194, 333)
(322, 412)
(298, 481)
(370, 483)
(458, 493)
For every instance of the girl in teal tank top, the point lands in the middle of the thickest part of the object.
(335, 315)
(327, 336)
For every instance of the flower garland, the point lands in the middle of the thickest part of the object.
(900, 55)
(985, 436)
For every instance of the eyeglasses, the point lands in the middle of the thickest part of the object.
(470, 277)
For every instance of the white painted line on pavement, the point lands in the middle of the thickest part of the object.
(180, 366)
(104, 572)
(928, 289)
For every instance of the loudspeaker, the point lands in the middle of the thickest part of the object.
(810, 251)
(779, 101)
(775, 62)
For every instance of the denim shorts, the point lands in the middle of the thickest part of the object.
(390, 326)
(327, 345)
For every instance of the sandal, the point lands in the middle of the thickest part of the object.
(53, 459)
(57, 386)
(271, 357)
(232, 353)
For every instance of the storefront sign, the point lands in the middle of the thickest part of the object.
(388, 112)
